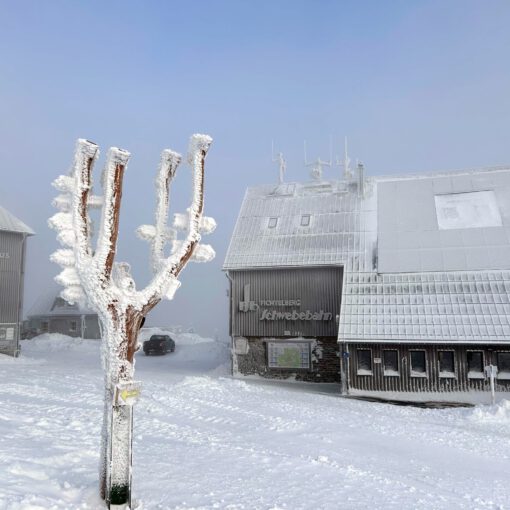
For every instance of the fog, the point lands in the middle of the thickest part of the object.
(415, 86)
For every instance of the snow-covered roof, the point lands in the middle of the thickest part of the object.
(302, 224)
(51, 304)
(432, 307)
(10, 223)
(444, 222)
(426, 257)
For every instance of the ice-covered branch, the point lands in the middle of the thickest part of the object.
(159, 234)
(168, 166)
(107, 240)
(164, 283)
(73, 222)
(86, 153)
(207, 224)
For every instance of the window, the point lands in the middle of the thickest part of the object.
(273, 221)
(364, 362)
(475, 365)
(305, 220)
(418, 364)
(45, 326)
(503, 365)
(288, 355)
(390, 360)
(446, 364)
(73, 327)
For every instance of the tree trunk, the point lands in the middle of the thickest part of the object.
(105, 432)
(117, 428)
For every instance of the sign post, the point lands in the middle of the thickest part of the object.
(491, 371)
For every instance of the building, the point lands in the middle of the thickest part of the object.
(416, 267)
(286, 265)
(52, 314)
(13, 236)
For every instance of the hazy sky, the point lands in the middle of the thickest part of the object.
(415, 86)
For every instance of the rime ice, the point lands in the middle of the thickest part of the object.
(93, 275)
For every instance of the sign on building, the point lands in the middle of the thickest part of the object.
(286, 302)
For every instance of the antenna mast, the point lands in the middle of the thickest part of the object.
(280, 160)
(316, 171)
(345, 164)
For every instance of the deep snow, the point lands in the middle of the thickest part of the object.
(204, 440)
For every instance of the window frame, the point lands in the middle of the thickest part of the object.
(269, 221)
(387, 372)
(471, 374)
(446, 374)
(364, 371)
(502, 375)
(45, 326)
(71, 328)
(303, 216)
(413, 373)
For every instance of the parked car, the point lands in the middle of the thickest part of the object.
(158, 344)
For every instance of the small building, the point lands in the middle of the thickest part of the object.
(415, 267)
(52, 314)
(13, 236)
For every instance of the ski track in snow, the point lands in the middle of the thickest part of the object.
(203, 440)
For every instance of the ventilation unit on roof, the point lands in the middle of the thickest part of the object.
(284, 190)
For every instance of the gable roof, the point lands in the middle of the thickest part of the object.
(51, 304)
(332, 237)
(10, 223)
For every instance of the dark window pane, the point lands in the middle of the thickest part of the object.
(504, 361)
(446, 361)
(390, 361)
(475, 361)
(418, 361)
(365, 359)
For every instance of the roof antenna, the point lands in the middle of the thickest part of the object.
(361, 179)
(317, 165)
(280, 160)
(345, 164)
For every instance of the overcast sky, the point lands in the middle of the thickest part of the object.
(416, 86)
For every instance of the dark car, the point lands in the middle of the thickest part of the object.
(158, 344)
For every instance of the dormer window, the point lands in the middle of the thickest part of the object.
(273, 221)
(305, 220)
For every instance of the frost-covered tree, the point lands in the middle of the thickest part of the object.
(92, 275)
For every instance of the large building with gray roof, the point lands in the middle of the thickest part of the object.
(403, 283)
(13, 236)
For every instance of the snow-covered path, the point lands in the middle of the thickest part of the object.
(204, 440)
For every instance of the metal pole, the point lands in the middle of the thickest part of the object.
(493, 389)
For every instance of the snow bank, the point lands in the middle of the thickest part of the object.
(498, 414)
(55, 342)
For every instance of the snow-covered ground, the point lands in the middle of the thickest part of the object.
(204, 440)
